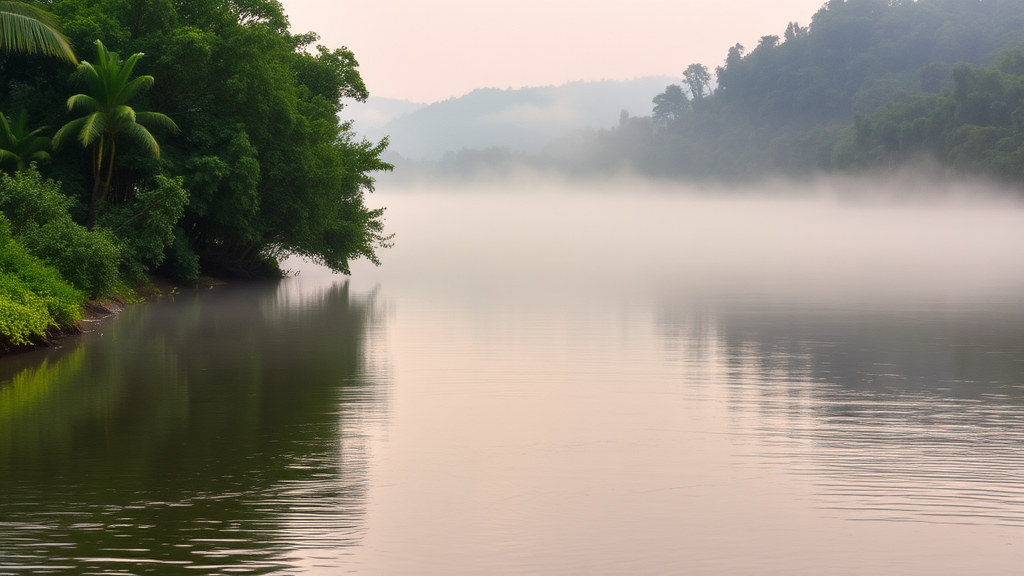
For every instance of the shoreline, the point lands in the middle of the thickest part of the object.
(95, 312)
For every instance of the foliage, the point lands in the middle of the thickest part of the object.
(39, 217)
(670, 104)
(698, 79)
(976, 126)
(108, 115)
(789, 104)
(27, 28)
(266, 166)
(33, 296)
(145, 226)
(20, 146)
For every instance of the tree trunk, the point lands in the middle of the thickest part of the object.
(110, 170)
(90, 220)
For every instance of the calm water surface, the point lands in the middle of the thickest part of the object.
(550, 384)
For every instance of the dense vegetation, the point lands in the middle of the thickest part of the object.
(867, 84)
(213, 146)
(817, 98)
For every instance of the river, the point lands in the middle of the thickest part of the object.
(622, 379)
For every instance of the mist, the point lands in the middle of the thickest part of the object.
(906, 240)
(525, 119)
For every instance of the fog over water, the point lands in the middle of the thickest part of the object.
(553, 377)
(898, 240)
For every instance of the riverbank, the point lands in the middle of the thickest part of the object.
(95, 312)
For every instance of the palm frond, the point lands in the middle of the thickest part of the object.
(68, 129)
(83, 102)
(139, 133)
(156, 119)
(126, 69)
(25, 28)
(122, 115)
(92, 128)
(6, 134)
(132, 88)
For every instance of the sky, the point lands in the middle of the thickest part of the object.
(430, 50)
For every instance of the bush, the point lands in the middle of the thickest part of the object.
(33, 296)
(88, 260)
(145, 226)
(39, 216)
(181, 262)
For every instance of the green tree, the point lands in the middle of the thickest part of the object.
(266, 165)
(111, 88)
(20, 146)
(30, 29)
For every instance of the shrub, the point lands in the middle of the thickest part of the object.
(145, 226)
(39, 216)
(33, 296)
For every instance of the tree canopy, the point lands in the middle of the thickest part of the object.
(821, 96)
(267, 166)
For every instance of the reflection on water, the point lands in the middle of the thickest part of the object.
(203, 433)
(486, 405)
(893, 415)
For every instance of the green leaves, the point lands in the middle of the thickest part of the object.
(26, 28)
(18, 145)
(38, 215)
(111, 88)
(266, 166)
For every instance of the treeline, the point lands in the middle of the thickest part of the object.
(866, 84)
(789, 105)
(193, 138)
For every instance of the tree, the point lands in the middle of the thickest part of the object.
(268, 166)
(734, 56)
(769, 41)
(26, 28)
(670, 105)
(109, 116)
(794, 31)
(18, 145)
(697, 78)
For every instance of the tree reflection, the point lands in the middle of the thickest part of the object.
(893, 414)
(204, 432)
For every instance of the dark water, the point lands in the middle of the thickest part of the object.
(513, 419)
(203, 433)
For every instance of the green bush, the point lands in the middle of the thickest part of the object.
(33, 296)
(88, 260)
(39, 216)
(181, 262)
(145, 226)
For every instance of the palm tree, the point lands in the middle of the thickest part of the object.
(108, 116)
(18, 145)
(27, 28)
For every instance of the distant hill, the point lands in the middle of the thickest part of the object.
(522, 119)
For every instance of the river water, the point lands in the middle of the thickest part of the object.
(622, 380)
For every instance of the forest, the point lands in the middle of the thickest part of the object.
(864, 85)
(867, 84)
(179, 138)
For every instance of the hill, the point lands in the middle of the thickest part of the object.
(520, 119)
(867, 84)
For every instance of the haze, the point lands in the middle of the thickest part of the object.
(896, 241)
(429, 51)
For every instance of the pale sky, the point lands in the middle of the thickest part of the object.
(429, 50)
